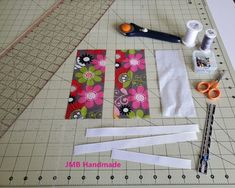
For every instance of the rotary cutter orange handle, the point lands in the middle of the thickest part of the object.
(133, 30)
(211, 88)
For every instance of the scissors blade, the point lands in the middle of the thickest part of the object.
(221, 75)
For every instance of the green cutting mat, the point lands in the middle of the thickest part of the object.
(34, 151)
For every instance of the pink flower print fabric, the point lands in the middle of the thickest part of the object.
(134, 62)
(130, 93)
(138, 98)
(86, 94)
(91, 96)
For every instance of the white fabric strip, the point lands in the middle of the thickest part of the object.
(134, 143)
(152, 130)
(151, 159)
(176, 96)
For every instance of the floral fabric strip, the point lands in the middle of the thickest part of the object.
(86, 94)
(130, 92)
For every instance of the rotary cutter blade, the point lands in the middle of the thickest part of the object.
(133, 30)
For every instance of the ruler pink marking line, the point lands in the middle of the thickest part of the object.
(31, 27)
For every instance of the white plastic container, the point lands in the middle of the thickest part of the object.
(204, 62)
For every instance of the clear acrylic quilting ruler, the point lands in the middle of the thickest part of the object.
(32, 59)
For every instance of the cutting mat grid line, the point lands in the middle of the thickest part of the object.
(34, 151)
(16, 16)
(28, 74)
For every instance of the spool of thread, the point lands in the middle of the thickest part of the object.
(208, 39)
(193, 28)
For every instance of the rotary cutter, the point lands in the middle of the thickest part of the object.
(133, 30)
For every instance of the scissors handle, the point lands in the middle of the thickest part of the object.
(203, 87)
(211, 88)
(213, 93)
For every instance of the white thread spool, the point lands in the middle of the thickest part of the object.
(193, 28)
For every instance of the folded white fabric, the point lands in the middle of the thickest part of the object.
(134, 143)
(151, 130)
(151, 159)
(176, 96)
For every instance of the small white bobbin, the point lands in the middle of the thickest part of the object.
(193, 28)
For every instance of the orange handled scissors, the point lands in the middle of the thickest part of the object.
(211, 88)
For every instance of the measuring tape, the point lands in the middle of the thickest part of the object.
(204, 156)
